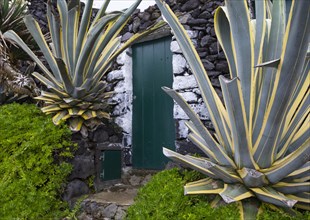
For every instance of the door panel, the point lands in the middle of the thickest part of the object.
(153, 123)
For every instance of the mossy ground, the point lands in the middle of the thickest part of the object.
(163, 198)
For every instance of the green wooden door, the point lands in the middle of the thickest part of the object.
(153, 123)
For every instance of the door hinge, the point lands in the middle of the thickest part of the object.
(102, 157)
(102, 174)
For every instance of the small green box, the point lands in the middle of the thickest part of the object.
(111, 165)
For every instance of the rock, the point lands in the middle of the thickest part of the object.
(200, 109)
(110, 210)
(145, 25)
(222, 67)
(100, 136)
(135, 180)
(175, 47)
(136, 24)
(196, 13)
(114, 139)
(182, 129)
(83, 167)
(214, 48)
(192, 34)
(199, 21)
(155, 15)
(75, 189)
(178, 63)
(146, 179)
(207, 64)
(146, 16)
(189, 96)
(206, 40)
(115, 75)
(185, 18)
(120, 214)
(184, 82)
(190, 5)
(205, 15)
(126, 36)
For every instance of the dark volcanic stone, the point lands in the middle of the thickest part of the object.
(126, 36)
(76, 188)
(207, 64)
(205, 41)
(136, 24)
(205, 15)
(214, 48)
(190, 5)
(222, 66)
(146, 16)
(199, 21)
(83, 167)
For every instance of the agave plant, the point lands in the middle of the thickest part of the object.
(79, 57)
(260, 151)
(14, 85)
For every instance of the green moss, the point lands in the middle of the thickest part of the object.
(163, 198)
(31, 180)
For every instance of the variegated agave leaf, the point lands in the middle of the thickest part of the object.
(261, 151)
(79, 56)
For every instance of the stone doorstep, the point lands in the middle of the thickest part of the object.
(114, 200)
(122, 198)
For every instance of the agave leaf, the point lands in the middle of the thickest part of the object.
(84, 58)
(76, 123)
(89, 114)
(76, 111)
(59, 116)
(294, 51)
(36, 32)
(102, 114)
(73, 27)
(101, 12)
(235, 192)
(226, 174)
(65, 76)
(288, 164)
(13, 36)
(235, 106)
(129, 42)
(303, 200)
(202, 145)
(252, 178)
(217, 202)
(249, 209)
(222, 30)
(54, 27)
(204, 186)
(292, 188)
(269, 195)
(297, 134)
(51, 109)
(272, 63)
(243, 48)
(220, 153)
(83, 28)
(214, 105)
(260, 30)
(194, 163)
(112, 33)
(50, 95)
(273, 51)
(300, 173)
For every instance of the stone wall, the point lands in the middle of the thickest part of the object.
(197, 18)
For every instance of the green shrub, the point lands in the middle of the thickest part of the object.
(163, 198)
(32, 163)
